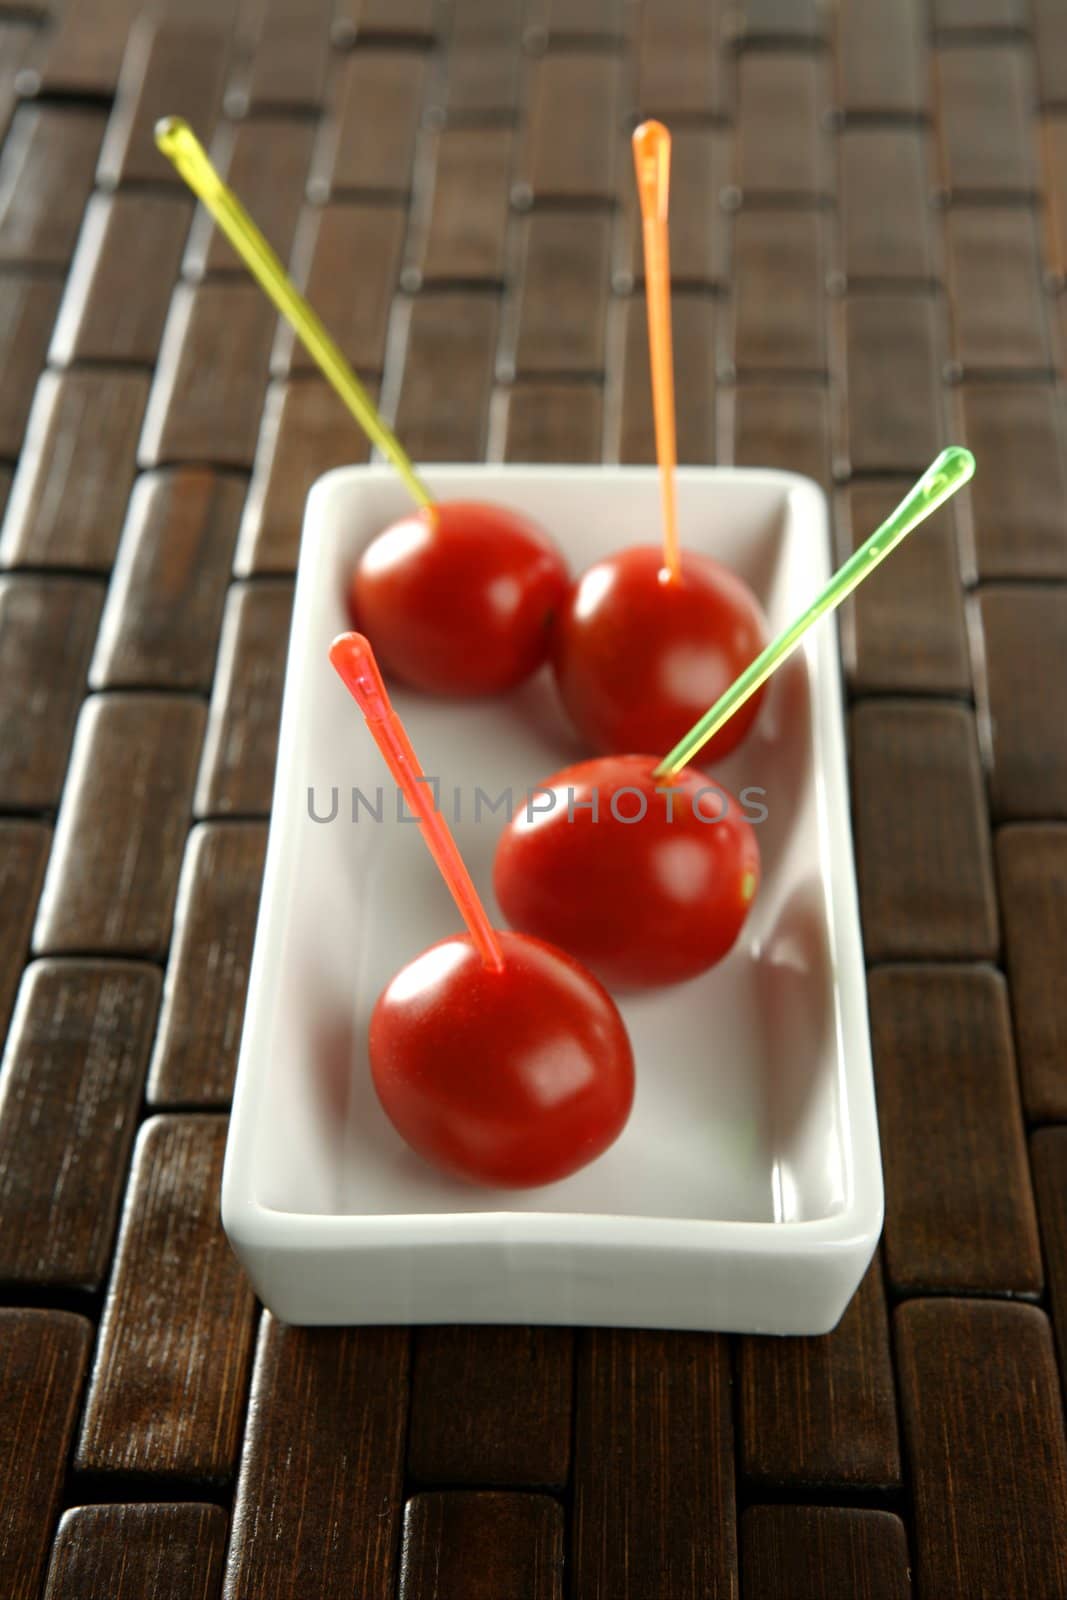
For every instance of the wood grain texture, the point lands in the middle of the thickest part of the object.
(75, 472)
(572, 140)
(167, 1391)
(24, 850)
(321, 1488)
(481, 81)
(779, 296)
(821, 1413)
(922, 834)
(552, 422)
(680, 67)
(466, 225)
(265, 160)
(160, 627)
(1019, 500)
(443, 410)
(1023, 665)
(821, 1553)
(892, 371)
(237, 771)
(369, 143)
(208, 391)
(167, 63)
(654, 1467)
(984, 97)
(46, 173)
(47, 627)
(1050, 51)
(1048, 1156)
(998, 319)
(959, 1207)
(85, 50)
(1032, 869)
(290, 53)
(28, 303)
(43, 1356)
(69, 1097)
(113, 872)
(121, 278)
(1053, 143)
(693, 318)
(330, 238)
(881, 58)
(305, 431)
(884, 190)
(781, 147)
(983, 1426)
(514, 1425)
(127, 1552)
(780, 425)
(481, 1547)
(195, 1054)
(561, 309)
(905, 634)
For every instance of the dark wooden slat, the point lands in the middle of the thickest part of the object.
(984, 97)
(563, 297)
(593, 22)
(75, 472)
(43, 1355)
(23, 853)
(997, 308)
(408, 19)
(481, 1547)
(781, 425)
(195, 1054)
(444, 398)
(466, 228)
(370, 142)
(1019, 499)
(289, 58)
(701, 167)
(922, 835)
(1050, 53)
(1032, 868)
(319, 1498)
(330, 240)
(984, 1432)
(959, 1209)
(680, 67)
(906, 633)
(47, 627)
(69, 1098)
(265, 160)
(654, 1464)
(306, 430)
(167, 1392)
(28, 305)
(884, 189)
(480, 83)
(822, 1553)
(971, 14)
(1053, 137)
(781, 148)
(772, 21)
(893, 382)
(552, 422)
(45, 178)
(237, 771)
(208, 392)
(881, 58)
(514, 1426)
(120, 283)
(779, 297)
(1021, 699)
(693, 318)
(821, 1412)
(84, 54)
(1048, 1155)
(573, 139)
(167, 64)
(125, 1552)
(161, 624)
(488, 19)
(114, 869)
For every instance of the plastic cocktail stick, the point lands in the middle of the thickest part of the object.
(179, 144)
(953, 468)
(353, 660)
(652, 163)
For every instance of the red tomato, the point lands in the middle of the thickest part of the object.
(511, 1078)
(651, 888)
(460, 598)
(639, 657)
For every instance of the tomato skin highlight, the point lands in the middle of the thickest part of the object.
(514, 1078)
(643, 902)
(639, 657)
(460, 598)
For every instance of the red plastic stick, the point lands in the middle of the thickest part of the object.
(353, 660)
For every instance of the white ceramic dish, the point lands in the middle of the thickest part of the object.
(745, 1193)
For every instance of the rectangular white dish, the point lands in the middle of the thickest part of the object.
(746, 1192)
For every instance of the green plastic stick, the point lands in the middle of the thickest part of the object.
(952, 469)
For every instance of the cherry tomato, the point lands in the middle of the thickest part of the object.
(650, 887)
(459, 598)
(639, 657)
(512, 1078)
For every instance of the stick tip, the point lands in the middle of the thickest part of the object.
(167, 130)
(652, 163)
(353, 660)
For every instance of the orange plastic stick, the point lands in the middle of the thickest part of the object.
(652, 163)
(353, 660)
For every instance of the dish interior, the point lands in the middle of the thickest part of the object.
(740, 1111)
